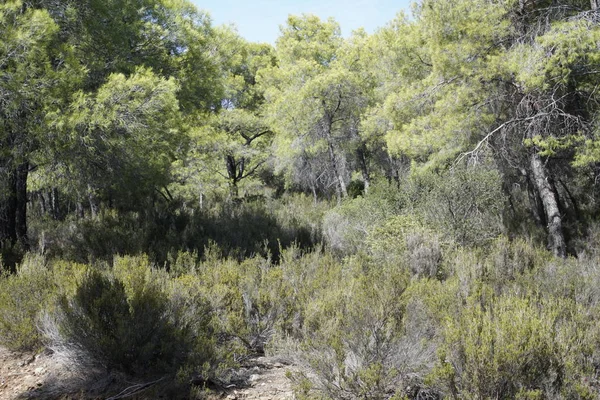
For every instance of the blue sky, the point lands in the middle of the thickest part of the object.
(259, 20)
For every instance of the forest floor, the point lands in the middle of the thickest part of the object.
(44, 376)
(266, 380)
(23, 375)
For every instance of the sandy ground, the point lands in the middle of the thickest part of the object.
(30, 376)
(22, 375)
(267, 380)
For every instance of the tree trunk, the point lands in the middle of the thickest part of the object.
(8, 206)
(94, 206)
(361, 153)
(54, 204)
(21, 204)
(334, 164)
(594, 4)
(313, 189)
(13, 206)
(42, 200)
(556, 239)
(234, 192)
(535, 202)
(232, 175)
(80, 210)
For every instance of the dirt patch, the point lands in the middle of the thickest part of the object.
(23, 375)
(39, 376)
(264, 378)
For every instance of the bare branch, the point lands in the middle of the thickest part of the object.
(135, 389)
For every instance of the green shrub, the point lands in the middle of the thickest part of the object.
(354, 343)
(22, 297)
(300, 218)
(241, 229)
(504, 264)
(101, 238)
(404, 239)
(131, 320)
(466, 204)
(510, 347)
(67, 276)
(508, 261)
(182, 262)
(307, 277)
(345, 227)
(266, 302)
(249, 298)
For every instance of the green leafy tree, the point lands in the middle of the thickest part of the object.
(122, 138)
(395, 59)
(243, 142)
(238, 137)
(172, 40)
(314, 102)
(106, 89)
(510, 77)
(35, 72)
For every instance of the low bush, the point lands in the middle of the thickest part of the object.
(463, 205)
(466, 204)
(23, 296)
(346, 227)
(511, 347)
(134, 320)
(413, 315)
(248, 299)
(241, 229)
(404, 239)
(356, 343)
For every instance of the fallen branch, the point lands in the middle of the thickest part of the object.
(135, 389)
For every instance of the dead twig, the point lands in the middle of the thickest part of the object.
(135, 389)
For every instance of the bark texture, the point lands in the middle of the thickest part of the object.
(8, 206)
(22, 173)
(556, 238)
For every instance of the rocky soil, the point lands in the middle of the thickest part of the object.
(266, 379)
(44, 376)
(23, 375)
